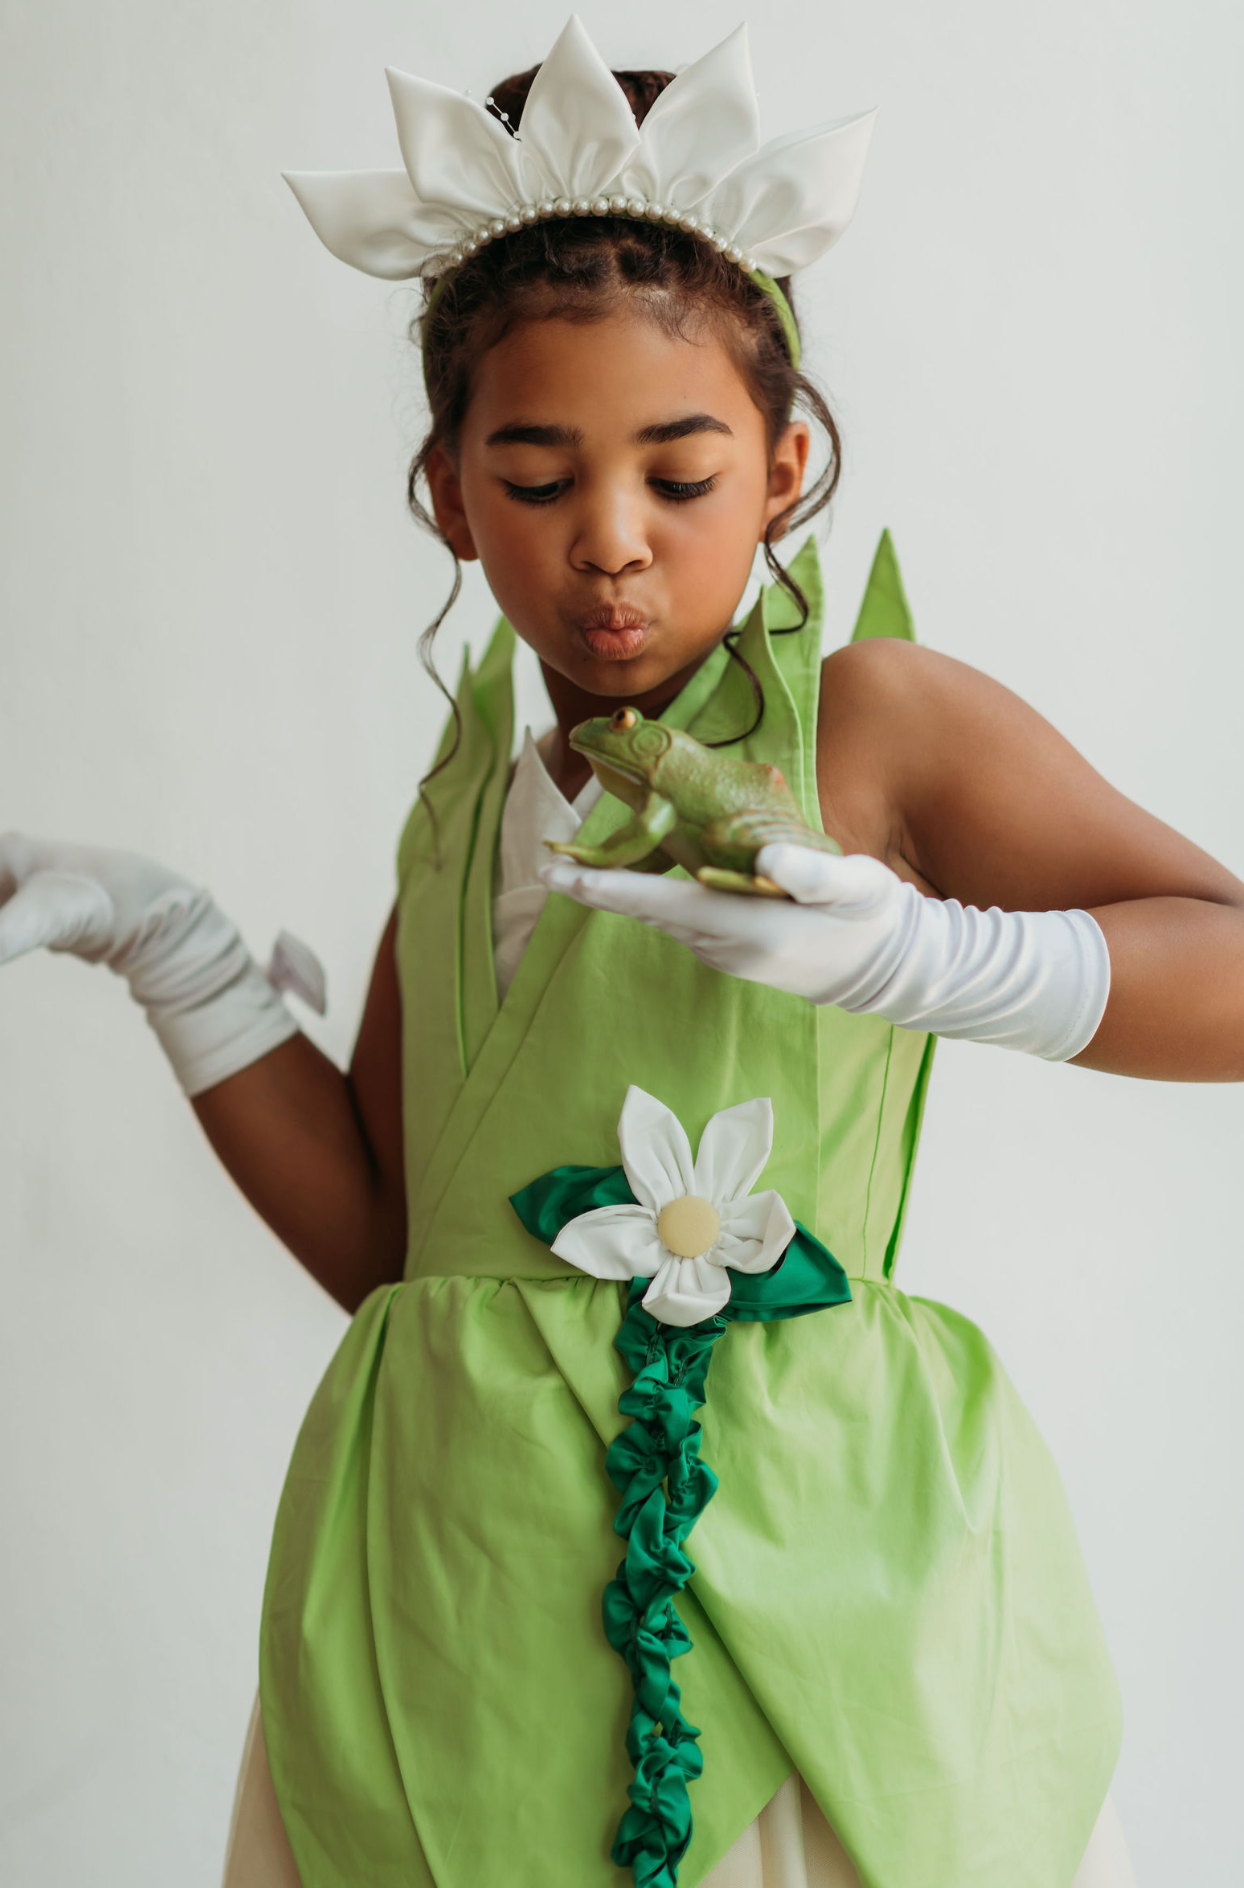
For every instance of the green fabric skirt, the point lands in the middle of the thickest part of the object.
(889, 1599)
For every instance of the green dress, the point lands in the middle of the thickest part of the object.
(888, 1596)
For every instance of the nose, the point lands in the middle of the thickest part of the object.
(611, 536)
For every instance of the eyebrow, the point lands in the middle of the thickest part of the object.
(526, 435)
(661, 433)
(666, 431)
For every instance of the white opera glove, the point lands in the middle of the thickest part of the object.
(860, 937)
(214, 1010)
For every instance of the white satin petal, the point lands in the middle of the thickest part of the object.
(686, 1290)
(612, 1242)
(733, 1150)
(576, 121)
(702, 125)
(458, 156)
(754, 1232)
(656, 1154)
(371, 219)
(791, 202)
(784, 205)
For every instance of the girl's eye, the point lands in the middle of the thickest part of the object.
(676, 490)
(680, 489)
(536, 494)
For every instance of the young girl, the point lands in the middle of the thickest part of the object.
(537, 1189)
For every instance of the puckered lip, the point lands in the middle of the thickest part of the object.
(615, 616)
(614, 630)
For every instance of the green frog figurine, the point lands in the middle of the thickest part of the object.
(694, 806)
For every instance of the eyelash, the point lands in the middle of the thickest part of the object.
(677, 491)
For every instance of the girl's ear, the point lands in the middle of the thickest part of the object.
(786, 471)
(447, 506)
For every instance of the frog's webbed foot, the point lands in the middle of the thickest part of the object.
(602, 855)
(583, 855)
(755, 886)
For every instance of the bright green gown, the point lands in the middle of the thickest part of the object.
(889, 1596)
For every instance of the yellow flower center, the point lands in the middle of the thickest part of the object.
(688, 1227)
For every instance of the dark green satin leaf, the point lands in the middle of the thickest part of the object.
(561, 1195)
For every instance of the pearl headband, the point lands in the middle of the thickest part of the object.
(696, 163)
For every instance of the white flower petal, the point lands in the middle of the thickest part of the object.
(458, 156)
(700, 128)
(791, 202)
(576, 122)
(371, 219)
(656, 1153)
(733, 1150)
(686, 1290)
(612, 1242)
(754, 1232)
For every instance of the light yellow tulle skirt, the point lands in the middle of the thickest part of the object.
(790, 1844)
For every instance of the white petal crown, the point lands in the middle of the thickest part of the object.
(692, 1220)
(696, 162)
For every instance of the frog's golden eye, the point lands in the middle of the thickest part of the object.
(623, 720)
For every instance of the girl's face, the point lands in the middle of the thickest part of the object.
(614, 482)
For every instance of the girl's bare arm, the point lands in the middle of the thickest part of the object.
(965, 790)
(318, 1153)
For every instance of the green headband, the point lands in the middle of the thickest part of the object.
(765, 283)
(785, 313)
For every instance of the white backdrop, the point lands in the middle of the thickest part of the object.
(211, 594)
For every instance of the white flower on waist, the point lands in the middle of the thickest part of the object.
(693, 1220)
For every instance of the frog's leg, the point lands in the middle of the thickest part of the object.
(631, 842)
(734, 839)
(743, 834)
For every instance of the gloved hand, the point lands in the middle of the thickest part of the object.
(860, 937)
(211, 1006)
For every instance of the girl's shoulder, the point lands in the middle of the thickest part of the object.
(963, 789)
(891, 716)
(885, 675)
(926, 762)
(868, 704)
(908, 705)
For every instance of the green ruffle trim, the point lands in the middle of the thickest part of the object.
(664, 1487)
